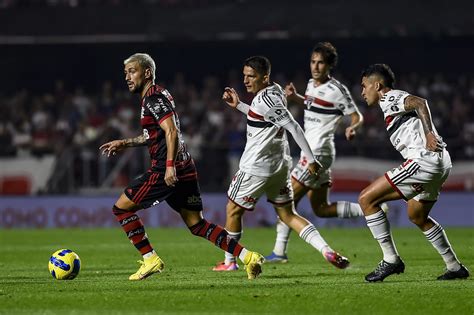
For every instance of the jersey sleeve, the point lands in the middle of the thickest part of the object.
(278, 114)
(393, 102)
(159, 106)
(346, 103)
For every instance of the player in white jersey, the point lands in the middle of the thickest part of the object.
(418, 180)
(265, 163)
(326, 101)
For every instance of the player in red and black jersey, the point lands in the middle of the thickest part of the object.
(172, 176)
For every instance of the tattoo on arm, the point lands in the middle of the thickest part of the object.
(135, 142)
(420, 105)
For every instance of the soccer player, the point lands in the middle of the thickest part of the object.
(172, 176)
(265, 164)
(418, 180)
(326, 101)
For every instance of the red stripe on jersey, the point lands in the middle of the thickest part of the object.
(164, 117)
(388, 120)
(322, 102)
(256, 116)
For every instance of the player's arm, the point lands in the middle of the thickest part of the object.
(115, 146)
(292, 95)
(357, 119)
(297, 133)
(433, 141)
(168, 125)
(231, 97)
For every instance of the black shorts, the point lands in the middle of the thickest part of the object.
(150, 189)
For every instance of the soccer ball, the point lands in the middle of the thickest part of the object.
(64, 264)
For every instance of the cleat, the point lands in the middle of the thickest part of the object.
(337, 260)
(462, 273)
(221, 266)
(274, 258)
(385, 269)
(149, 266)
(384, 207)
(253, 264)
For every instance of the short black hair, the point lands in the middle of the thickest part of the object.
(328, 51)
(260, 64)
(382, 70)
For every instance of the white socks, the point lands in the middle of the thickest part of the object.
(437, 237)
(311, 236)
(283, 235)
(380, 228)
(346, 209)
(229, 258)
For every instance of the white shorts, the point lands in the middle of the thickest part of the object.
(245, 189)
(301, 175)
(413, 182)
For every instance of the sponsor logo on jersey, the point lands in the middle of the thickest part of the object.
(156, 202)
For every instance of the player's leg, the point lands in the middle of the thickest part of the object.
(125, 212)
(221, 238)
(279, 253)
(418, 212)
(319, 199)
(280, 193)
(308, 232)
(243, 194)
(370, 200)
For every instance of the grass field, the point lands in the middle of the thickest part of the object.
(306, 285)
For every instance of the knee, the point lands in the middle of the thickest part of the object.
(319, 209)
(234, 211)
(365, 200)
(418, 219)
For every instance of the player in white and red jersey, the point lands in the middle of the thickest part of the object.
(265, 163)
(418, 180)
(326, 101)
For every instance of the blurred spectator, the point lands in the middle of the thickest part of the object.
(70, 123)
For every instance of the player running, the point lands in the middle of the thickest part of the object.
(265, 164)
(418, 180)
(172, 176)
(326, 101)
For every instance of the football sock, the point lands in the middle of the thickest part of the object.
(346, 209)
(217, 235)
(229, 258)
(133, 227)
(283, 235)
(437, 237)
(311, 236)
(380, 228)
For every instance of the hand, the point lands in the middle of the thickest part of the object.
(112, 147)
(350, 133)
(314, 167)
(170, 176)
(290, 91)
(231, 97)
(434, 142)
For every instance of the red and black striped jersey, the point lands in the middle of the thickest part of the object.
(158, 105)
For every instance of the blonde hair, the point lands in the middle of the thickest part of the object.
(144, 60)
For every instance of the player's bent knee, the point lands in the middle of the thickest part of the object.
(418, 219)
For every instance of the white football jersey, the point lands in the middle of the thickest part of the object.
(267, 149)
(406, 132)
(326, 104)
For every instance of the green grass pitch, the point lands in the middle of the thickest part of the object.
(306, 285)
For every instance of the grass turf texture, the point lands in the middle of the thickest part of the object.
(307, 284)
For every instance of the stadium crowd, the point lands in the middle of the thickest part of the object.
(79, 119)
